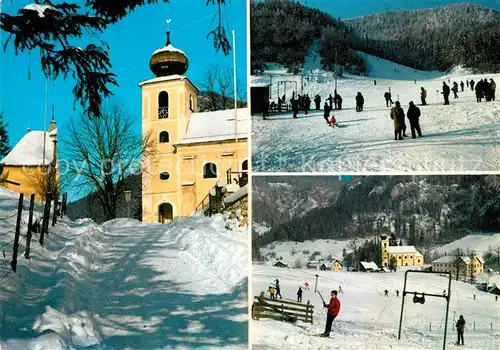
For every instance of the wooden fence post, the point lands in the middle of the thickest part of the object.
(45, 218)
(54, 214)
(30, 227)
(13, 263)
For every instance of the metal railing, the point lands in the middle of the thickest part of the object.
(241, 180)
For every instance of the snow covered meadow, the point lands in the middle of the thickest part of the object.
(463, 136)
(369, 320)
(127, 285)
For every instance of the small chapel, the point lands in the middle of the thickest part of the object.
(193, 151)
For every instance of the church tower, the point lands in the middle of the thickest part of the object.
(168, 100)
(384, 246)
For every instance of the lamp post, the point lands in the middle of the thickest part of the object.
(128, 197)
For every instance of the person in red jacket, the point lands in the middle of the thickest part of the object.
(333, 311)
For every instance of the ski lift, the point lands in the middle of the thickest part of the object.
(417, 299)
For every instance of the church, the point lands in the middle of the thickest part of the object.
(404, 255)
(192, 151)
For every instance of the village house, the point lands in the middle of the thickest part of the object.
(193, 151)
(464, 264)
(27, 164)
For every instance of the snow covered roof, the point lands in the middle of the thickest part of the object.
(480, 260)
(445, 259)
(216, 126)
(29, 150)
(369, 265)
(402, 249)
(169, 48)
(233, 197)
(259, 84)
(40, 8)
(167, 78)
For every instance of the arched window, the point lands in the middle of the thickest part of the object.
(164, 138)
(163, 105)
(210, 171)
(165, 213)
(165, 175)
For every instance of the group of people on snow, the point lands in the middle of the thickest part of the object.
(398, 116)
(275, 290)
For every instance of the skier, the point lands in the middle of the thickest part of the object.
(333, 311)
(462, 86)
(423, 96)
(493, 87)
(326, 113)
(306, 285)
(397, 292)
(299, 295)
(330, 101)
(278, 292)
(333, 122)
(338, 101)
(413, 115)
(496, 297)
(271, 292)
(487, 90)
(386, 292)
(455, 89)
(307, 104)
(472, 85)
(360, 100)
(398, 115)
(467, 82)
(317, 101)
(446, 93)
(340, 290)
(295, 106)
(479, 91)
(474, 296)
(388, 99)
(460, 329)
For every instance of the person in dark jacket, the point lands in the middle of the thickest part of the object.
(299, 295)
(333, 311)
(330, 101)
(467, 81)
(278, 290)
(388, 99)
(413, 115)
(338, 101)
(472, 83)
(493, 87)
(326, 113)
(307, 104)
(455, 89)
(479, 91)
(398, 115)
(462, 85)
(460, 329)
(360, 100)
(423, 96)
(295, 106)
(487, 90)
(446, 93)
(317, 101)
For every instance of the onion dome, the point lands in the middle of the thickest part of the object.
(168, 60)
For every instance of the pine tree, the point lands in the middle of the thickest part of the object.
(4, 138)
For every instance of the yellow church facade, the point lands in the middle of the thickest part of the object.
(192, 151)
(26, 165)
(404, 255)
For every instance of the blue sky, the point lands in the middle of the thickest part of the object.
(132, 42)
(354, 8)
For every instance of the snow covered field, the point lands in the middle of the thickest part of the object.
(463, 136)
(479, 242)
(127, 285)
(369, 320)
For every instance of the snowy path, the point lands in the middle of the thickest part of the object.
(464, 136)
(128, 285)
(368, 320)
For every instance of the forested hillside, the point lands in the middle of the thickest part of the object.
(422, 210)
(439, 38)
(283, 31)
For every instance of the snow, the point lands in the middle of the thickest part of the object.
(29, 150)
(460, 137)
(445, 259)
(369, 265)
(238, 194)
(216, 126)
(260, 228)
(40, 8)
(126, 285)
(478, 242)
(169, 48)
(369, 320)
(167, 78)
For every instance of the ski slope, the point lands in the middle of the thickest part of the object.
(463, 136)
(479, 242)
(369, 320)
(127, 285)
